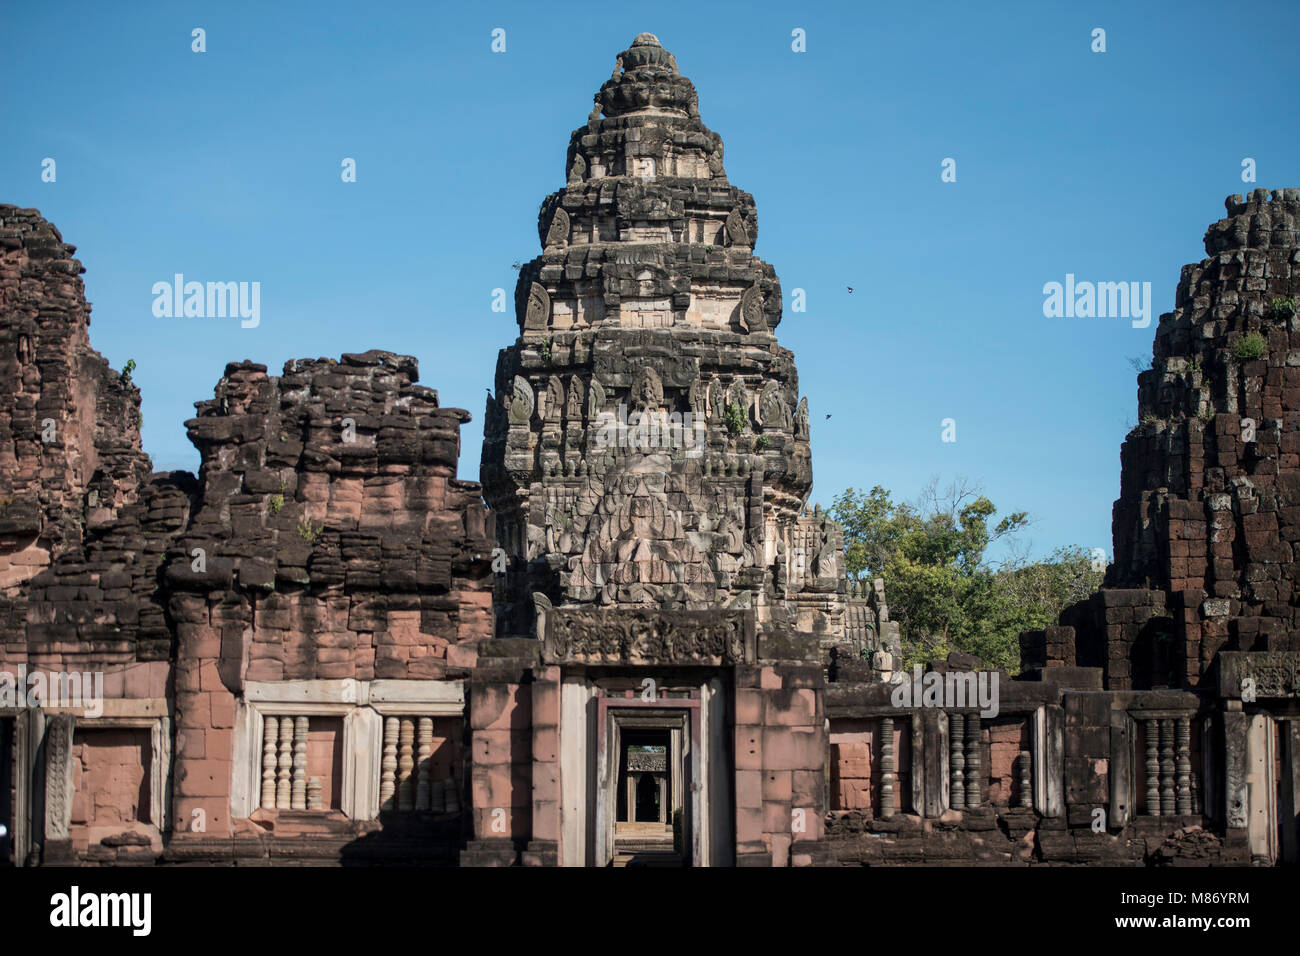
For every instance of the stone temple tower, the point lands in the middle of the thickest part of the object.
(647, 446)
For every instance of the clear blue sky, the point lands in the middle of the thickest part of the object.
(226, 166)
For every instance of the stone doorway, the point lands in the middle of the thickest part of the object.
(648, 819)
(1273, 788)
(646, 769)
(647, 801)
(7, 821)
(1286, 734)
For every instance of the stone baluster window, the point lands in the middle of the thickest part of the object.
(965, 761)
(299, 757)
(361, 748)
(408, 779)
(1169, 783)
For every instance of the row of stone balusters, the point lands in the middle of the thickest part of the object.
(406, 773)
(1171, 784)
(284, 766)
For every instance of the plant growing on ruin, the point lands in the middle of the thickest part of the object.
(761, 443)
(1284, 307)
(308, 531)
(276, 503)
(1206, 415)
(1249, 347)
(1194, 363)
(545, 349)
(735, 418)
(125, 376)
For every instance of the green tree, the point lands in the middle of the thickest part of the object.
(939, 583)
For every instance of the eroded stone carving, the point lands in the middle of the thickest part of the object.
(1271, 673)
(554, 407)
(774, 410)
(578, 169)
(522, 402)
(737, 234)
(664, 637)
(751, 310)
(558, 233)
(648, 392)
(595, 399)
(538, 310)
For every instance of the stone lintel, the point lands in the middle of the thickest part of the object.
(718, 638)
(1275, 673)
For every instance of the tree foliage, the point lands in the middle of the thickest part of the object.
(940, 585)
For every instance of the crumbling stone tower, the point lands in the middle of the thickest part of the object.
(314, 596)
(1195, 631)
(1209, 506)
(1211, 477)
(70, 454)
(647, 446)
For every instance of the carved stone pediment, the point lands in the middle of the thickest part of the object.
(751, 310)
(647, 762)
(737, 234)
(558, 233)
(522, 402)
(619, 361)
(801, 429)
(776, 414)
(717, 638)
(595, 399)
(537, 311)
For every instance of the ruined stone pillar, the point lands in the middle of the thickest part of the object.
(500, 697)
(544, 847)
(59, 731)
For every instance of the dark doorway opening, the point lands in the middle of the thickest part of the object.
(7, 822)
(645, 778)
